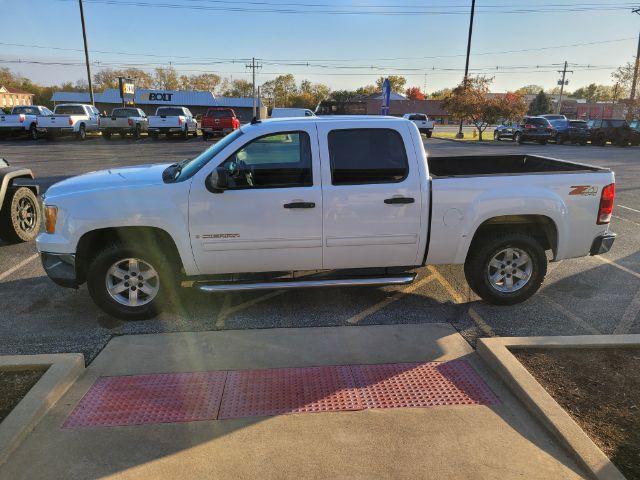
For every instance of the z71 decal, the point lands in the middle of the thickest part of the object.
(587, 190)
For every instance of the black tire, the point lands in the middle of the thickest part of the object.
(559, 139)
(106, 135)
(154, 136)
(542, 142)
(429, 133)
(484, 249)
(82, 133)
(195, 133)
(517, 137)
(97, 284)
(33, 132)
(496, 136)
(136, 131)
(600, 140)
(14, 225)
(185, 134)
(122, 134)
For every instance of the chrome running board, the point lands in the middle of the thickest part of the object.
(312, 283)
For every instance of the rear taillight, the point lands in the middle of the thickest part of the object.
(179, 120)
(21, 117)
(606, 204)
(130, 122)
(70, 121)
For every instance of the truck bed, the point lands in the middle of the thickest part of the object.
(481, 165)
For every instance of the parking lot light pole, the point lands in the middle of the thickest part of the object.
(634, 81)
(466, 66)
(86, 52)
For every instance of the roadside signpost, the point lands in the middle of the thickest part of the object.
(127, 89)
(386, 97)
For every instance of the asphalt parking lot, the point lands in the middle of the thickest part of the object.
(585, 296)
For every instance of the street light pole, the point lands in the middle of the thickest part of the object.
(466, 65)
(634, 81)
(86, 52)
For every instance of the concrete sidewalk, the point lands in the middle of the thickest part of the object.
(447, 442)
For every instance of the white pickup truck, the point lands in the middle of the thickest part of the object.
(124, 120)
(422, 122)
(170, 120)
(320, 201)
(75, 119)
(23, 120)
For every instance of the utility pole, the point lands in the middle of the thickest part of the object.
(253, 66)
(634, 81)
(562, 83)
(86, 52)
(466, 65)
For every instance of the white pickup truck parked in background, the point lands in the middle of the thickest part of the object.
(23, 120)
(170, 120)
(71, 119)
(354, 199)
(124, 120)
(422, 122)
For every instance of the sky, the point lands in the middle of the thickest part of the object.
(344, 44)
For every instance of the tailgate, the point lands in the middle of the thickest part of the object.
(10, 121)
(160, 121)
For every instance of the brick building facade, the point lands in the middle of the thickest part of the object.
(10, 97)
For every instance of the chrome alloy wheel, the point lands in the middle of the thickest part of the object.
(132, 282)
(26, 215)
(509, 270)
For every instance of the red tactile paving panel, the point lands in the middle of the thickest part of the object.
(140, 399)
(251, 393)
(399, 385)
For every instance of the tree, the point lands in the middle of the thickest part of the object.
(624, 77)
(108, 78)
(414, 93)
(470, 102)
(309, 95)
(540, 105)
(236, 88)
(165, 78)
(278, 90)
(441, 94)
(397, 83)
(204, 82)
(530, 89)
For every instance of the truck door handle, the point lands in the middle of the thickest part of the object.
(299, 205)
(399, 200)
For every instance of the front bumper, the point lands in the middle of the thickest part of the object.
(61, 268)
(602, 243)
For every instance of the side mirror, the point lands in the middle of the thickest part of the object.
(218, 180)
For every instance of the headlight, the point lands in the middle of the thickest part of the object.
(50, 217)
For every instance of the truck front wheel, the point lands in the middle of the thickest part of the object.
(20, 215)
(129, 283)
(505, 268)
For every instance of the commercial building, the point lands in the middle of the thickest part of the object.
(10, 97)
(398, 106)
(149, 100)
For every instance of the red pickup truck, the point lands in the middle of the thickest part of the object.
(219, 120)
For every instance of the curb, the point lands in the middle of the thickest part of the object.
(495, 352)
(63, 371)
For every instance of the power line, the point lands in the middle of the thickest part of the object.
(244, 60)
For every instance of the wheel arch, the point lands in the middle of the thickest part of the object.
(541, 227)
(149, 237)
(7, 177)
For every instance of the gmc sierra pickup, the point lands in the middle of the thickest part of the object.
(124, 120)
(23, 120)
(320, 201)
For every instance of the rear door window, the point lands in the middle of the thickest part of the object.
(367, 155)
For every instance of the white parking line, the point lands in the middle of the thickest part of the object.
(626, 220)
(4, 275)
(388, 301)
(629, 208)
(578, 320)
(226, 312)
(617, 265)
(629, 316)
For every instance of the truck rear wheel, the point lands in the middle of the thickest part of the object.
(128, 282)
(82, 133)
(20, 215)
(505, 268)
(136, 131)
(33, 132)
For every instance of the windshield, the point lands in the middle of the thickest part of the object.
(188, 168)
(559, 123)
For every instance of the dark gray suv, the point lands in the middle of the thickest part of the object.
(537, 129)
